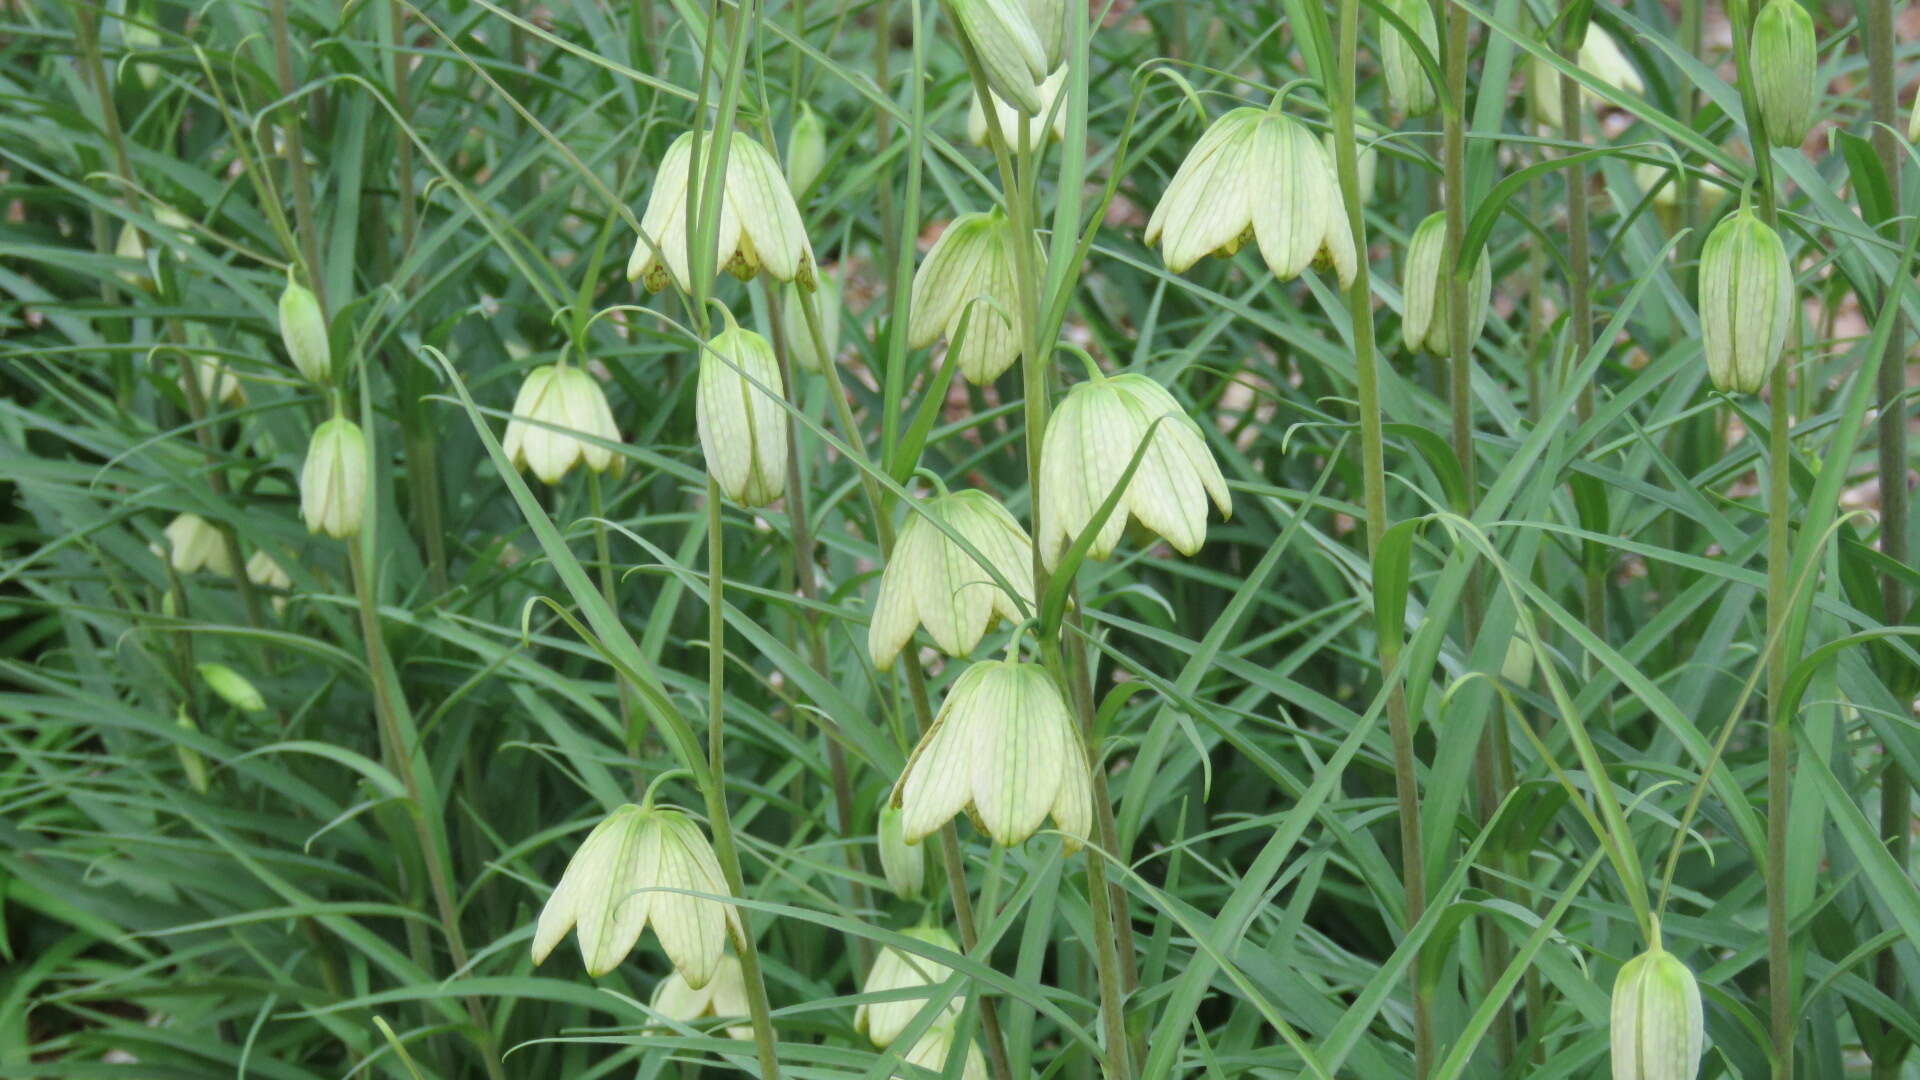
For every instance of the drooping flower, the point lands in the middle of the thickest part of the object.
(724, 997)
(194, 544)
(1599, 56)
(793, 324)
(1021, 130)
(1785, 67)
(1091, 439)
(218, 384)
(741, 425)
(1012, 54)
(1424, 321)
(759, 224)
(267, 574)
(896, 969)
(904, 864)
(620, 882)
(1658, 1025)
(806, 149)
(1052, 23)
(1003, 746)
(970, 270)
(303, 330)
(933, 1050)
(932, 581)
(1258, 175)
(333, 483)
(559, 396)
(1408, 88)
(1746, 301)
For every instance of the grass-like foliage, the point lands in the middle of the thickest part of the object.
(1013, 538)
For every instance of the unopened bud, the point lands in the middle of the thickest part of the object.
(303, 330)
(1746, 301)
(1785, 67)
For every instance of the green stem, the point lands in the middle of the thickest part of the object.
(603, 555)
(297, 157)
(1373, 479)
(716, 783)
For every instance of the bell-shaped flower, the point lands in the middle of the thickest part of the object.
(743, 426)
(1091, 439)
(263, 572)
(303, 330)
(904, 864)
(333, 483)
(896, 969)
(932, 581)
(1020, 130)
(1053, 24)
(1004, 747)
(934, 1049)
(1408, 88)
(635, 869)
(1601, 57)
(793, 324)
(1786, 66)
(759, 226)
(1259, 175)
(1011, 51)
(724, 997)
(1658, 1025)
(1423, 321)
(217, 383)
(557, 399)
(193, 545)
(970, 270)
(1746, 301)
(806, 149)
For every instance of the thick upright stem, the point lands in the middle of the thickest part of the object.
(1373, 478)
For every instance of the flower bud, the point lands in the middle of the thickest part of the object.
(556, 399)
(1746, 301)
(1409, 90)
(616, 885)
(742, 426)
(972, 261)
(806, 149)
(333, 483)
(931, 581)
(1257, 175)
(1052, 24)
(904, 864)
(196, 545)
(1785, 67)
(303, 330)
(1090, 441)
(231, 687)
(191, 762)
(1517, 666)
(1424, 322)
(934, 1049)
(1022, 131)
(897, 969)
(1600, 57)
(793, 324)
(725, 995)
(1003, 747)
(267, 574)
(1011, 52)
(1659, 1030)
(759, 224)
(130, 245)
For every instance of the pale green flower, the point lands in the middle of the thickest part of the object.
(904, 864)
(616, 886)
(972, 260)
(742, 427)
(1746, 301)
(1658, 1029)
(264, 572)
(1021, 130)
(806, 149)
(793, 324)
(1090, 440)
(196, 545)
(759, 224)
(303, 330)
(935, 1048)
(931, 581)
(217, 383)
(333, 483)
(724, 996)
(1785, 70)
(1005, 747)
(1408, 88)
(1012, 54)
(1423, 323)
(897, 969)
(231, 687)
(1601, 57)
(562, 397)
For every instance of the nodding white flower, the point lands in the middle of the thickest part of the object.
(1259, 175)
(897, 969)
(1090, 441)
(1424, 322)
(742, 427)
(724, 996)
(1599, 56)
(793, 325)
(232, 687)
(1004, 747)
(934, 1049)
(218, 384)
(1785, 67)
(972, 259)
(1746, 301)
(931, 581)
(566, 398)
(267, 574)
(759, 226)
(614, 888)
(1012, 53)
(333, 483)
(1408, 88)
(195, 545)
(1020, 130)
(303, 330)
(1658, 1028)
(806, 149)
(904, 864)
